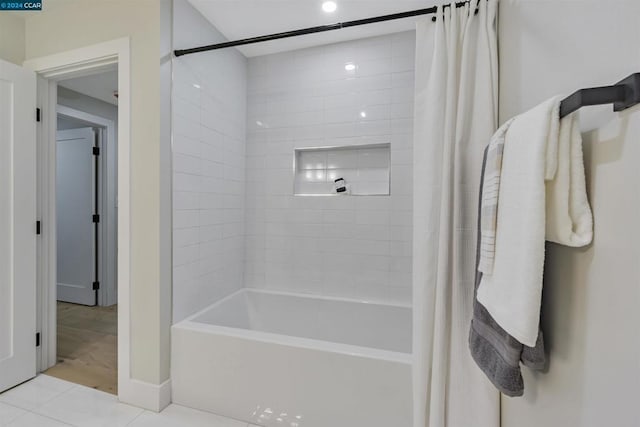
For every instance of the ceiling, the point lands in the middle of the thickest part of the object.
(238, 19)
(100, 86)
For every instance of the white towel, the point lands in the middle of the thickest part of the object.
(542, 195)
(569, 217)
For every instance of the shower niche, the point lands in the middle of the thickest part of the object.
(354, 170)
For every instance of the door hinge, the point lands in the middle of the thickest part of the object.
(96, 218)
(38, 227)
(96, 151)
(96, 286)
(37, 114)
(37, 339)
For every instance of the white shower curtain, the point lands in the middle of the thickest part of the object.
(455, 116)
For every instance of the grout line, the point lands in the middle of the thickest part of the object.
(44, 402)
(15, 407)
(73, 386)
(137, 416)
(39, 415)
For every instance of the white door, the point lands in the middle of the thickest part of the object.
(75, 202)
(17, 225)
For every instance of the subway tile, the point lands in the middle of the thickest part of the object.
(300, 99)
(373, 203)
(403, 43)
(373, 128)
(346, 216)
(377, 158)
(186, 127)
(403, 79)
(370, 188)
(185, 237)
(185, 145)
(339, 231)
(401, 126)
(373, 217)
(341, 100)
(372, 175)
(186, 109)
(401, 140)
(401, 233)
(371, 232)
(186, 163)
(351, 234)
(185, 219)
(183, 200)
(373, 67)
(403, 63)
(401, 158)
(401, 110)
(401, 248)
(374, 97)
(185, 254)
(186, 182)
(401, 218)
(401, 95)
(372, 247)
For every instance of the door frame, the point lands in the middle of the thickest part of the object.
(107, 196)
(75, 63)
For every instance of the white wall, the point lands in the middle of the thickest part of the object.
(69, 24)
(79, 101)
(590, 313)
(166, 171)
(12, 33)
(209, 113)
(334, 245)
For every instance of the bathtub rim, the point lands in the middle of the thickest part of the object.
(191, 324)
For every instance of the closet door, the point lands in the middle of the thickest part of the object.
(75, 199)
(17, 225)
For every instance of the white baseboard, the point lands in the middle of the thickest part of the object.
(145, 395)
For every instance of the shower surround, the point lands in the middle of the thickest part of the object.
(277, 295)
(236, 220)
(209, 116)
(346, 94)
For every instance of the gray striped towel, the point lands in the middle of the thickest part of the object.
(489, 202)
(497, 353)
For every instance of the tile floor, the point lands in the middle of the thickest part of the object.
(46, 401)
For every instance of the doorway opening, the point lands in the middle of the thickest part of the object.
(86, 231)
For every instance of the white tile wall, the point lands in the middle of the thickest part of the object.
(209, 117)
(348, 246)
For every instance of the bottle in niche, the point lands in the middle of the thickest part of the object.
(341, 185)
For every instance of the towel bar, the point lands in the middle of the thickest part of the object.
(624, 94)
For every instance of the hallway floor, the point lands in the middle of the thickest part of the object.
(50, 402)
(87, 346)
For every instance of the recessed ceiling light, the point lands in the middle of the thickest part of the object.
(196, 85)
(350, 66)
(329, 6)
(363, 114)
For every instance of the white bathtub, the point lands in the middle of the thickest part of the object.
(281, 359)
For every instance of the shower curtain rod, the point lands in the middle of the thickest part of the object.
(312, 30)
(622, 95)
